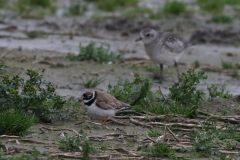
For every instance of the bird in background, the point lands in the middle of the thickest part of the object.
(165, 48)
(102, 105)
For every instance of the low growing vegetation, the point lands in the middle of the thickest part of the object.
(131, 92)
(221, 19)
(76, 8)
(111, 5)
(73, 144)
(183, 98)
(159, 150)
(31, 6)
(214, 91)
(30, 96)
(98, 54)
(174, 7)
(15, 122)
(210, 136)
(92, 82)
(211, 5)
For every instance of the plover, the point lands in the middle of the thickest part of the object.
(102, 105)
(164, 48)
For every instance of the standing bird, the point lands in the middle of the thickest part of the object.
(164, 48)
(102, 105)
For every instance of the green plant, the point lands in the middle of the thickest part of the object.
(1, 144)
(227, 65)
(196, 64)
(31, 155)
(211, 5)
(111, 5)
(226, 157)
(215, 92)
(210, 135)
(43, 102)
(72, 143)
(154, 133)
(230, 144)
(76, 8)
(174, 7)
(92, 82)
(3, 3)
(98, 54)
(15, 122)
(161, 150)
(221, 19)
(131, 92)
(185, 92)
(232, 2)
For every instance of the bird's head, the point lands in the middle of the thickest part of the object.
(147, 35)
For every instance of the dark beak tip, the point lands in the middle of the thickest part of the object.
(139, 39)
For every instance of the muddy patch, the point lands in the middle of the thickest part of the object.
(223, 106)
(227, 36)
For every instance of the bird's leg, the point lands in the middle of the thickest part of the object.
(99, 121)
(161, 73)
(105, 120)
(176, 65)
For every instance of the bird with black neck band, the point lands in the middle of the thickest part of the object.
(102, 105)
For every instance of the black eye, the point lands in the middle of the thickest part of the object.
(148, 35)
(84, 95)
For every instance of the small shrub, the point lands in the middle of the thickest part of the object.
(98, 54)
(227, 65)
(161, 150)
(73, 144)
(111, 5)
(211, 5)
(92, 82)
(174, 7)
(221, 19)
(30, 96)
(131, 92)
(185, 93)
(15, 123)
(215, 92)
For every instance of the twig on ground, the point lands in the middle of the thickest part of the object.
(57, 129)
(8, 136)
(131, 112)
(7, 52)
(173, 134)
(162, 93)
(228, 152)
(124, 124)
(142, 117)
(86, 121)
(140, 123)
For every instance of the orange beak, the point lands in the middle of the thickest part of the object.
(82, 99)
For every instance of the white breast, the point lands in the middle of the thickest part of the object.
(99, 113)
